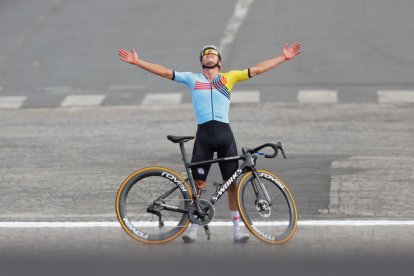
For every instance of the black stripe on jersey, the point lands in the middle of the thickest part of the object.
(222, 88)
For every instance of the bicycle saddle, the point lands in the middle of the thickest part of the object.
(179, 139)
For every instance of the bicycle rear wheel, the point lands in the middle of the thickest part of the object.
(152, 205)
(273, 222)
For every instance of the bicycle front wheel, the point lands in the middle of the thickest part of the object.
(152, 205)
(273, 221)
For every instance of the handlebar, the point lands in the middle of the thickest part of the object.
(275, 147)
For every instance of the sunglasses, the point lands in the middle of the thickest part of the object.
(210, 52)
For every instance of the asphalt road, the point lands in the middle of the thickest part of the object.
(350, 149)
(66, 164)
(53, 48)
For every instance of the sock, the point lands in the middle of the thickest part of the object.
(193, 227)
(235, 216)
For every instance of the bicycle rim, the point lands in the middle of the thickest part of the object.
(137, 194)
(273, 222)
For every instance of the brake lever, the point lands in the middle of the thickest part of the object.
(279, 145)
(283, 153)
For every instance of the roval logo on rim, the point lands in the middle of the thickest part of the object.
(173, 178)
(271, 178)
(132, 228)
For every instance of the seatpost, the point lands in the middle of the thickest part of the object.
(188, 170)
(183, 153)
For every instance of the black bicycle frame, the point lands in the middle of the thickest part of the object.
(249, 163)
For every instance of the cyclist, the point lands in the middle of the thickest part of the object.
(211, 91)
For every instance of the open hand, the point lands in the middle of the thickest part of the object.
(292, 51)
(130, 57)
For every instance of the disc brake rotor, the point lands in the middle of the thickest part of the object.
(264, 208)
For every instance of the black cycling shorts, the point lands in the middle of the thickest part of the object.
(214, 136)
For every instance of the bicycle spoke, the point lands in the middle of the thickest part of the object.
(159, 187)
(139, 195)
(274, 220)
(142, 192)
(276, 197)
(145, 191)
(138, 215)
(148, 187)
(137, 201)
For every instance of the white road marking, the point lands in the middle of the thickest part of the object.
(82, 100)
(54, 88)
(357, 223)
(396, 96)
(107, 224)
(162, 99)
(317, 96)
(61, 224)
(240, 11)
(12, 102)
(126, 87)
(245, 97)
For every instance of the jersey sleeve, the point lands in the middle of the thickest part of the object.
(240, 75)
(235, 76)
(182, 77)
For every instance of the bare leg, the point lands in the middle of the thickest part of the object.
(231, 192)
(191, 235)
(200, 184)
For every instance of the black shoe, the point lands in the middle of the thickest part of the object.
(240, 238)
(190, 236)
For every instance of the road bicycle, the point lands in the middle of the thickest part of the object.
(155, 205)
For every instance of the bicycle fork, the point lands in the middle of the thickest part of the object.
(256, 180)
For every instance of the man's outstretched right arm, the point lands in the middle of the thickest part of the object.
(132, 58)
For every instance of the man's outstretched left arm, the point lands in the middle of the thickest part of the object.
(287, 54)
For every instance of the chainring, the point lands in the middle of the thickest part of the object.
(207, 215)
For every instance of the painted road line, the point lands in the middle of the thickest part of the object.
(58, 88)
(396, 96)
(106, 224)
(82, 100)
(317, 96)
(54, 88)
(61, 224)
(126, 87)
(245, 97)
(357, 223)
(240, 11)
(12, 102)
(162, 99)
